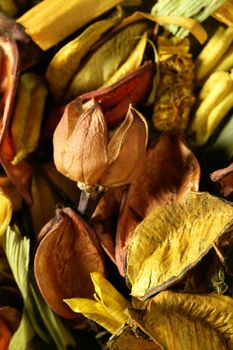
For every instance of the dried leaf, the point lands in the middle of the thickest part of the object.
(108, 309)
(64, 260)
(80, 144)
(67, 60)
(173, 239)
(169, 171)
(188, 321)
(5, 212)
(126, 150)
(105, 60)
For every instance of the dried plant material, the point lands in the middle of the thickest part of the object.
(104, 219)
(8, 7)
(115, 99)
(80, 144)
(103, 62)
(126, 149)
(11, 315)
(188, 321)
(170, 170)
(64, 259)
(9, 79)
(226, 61)
(133, 61)
(67, 60)
(215, 101)
(108, 309)
(64, 186)
(42, 193)
(174, 98)
(9, 189)
(127, 338)
(198, 11)
(5, 335)
(173, 239)
(5, 213)
(81, 151)
(225, 178)
(225, 13)
(28, 114)
(49, 22)
(212, 52)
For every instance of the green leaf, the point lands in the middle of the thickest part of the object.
(23, 335)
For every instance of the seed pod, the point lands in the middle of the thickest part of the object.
(64, 259)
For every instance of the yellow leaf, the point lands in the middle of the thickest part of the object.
(5, 212)
(188, 321)
(173, 239)
(133, 61)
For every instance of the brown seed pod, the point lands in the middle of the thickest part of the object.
(64, 259)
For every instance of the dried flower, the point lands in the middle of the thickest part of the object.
(81, 151)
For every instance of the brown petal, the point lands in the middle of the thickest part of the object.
(170, 170)
(64, 260)
(126, 150)
(80, 144)
(133, 88)
(104, 219)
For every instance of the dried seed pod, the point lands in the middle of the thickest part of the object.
(169, 171)
(64, 259)
(28, 114)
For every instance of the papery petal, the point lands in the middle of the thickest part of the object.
(126, 150)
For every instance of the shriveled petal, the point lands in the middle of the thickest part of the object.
(188, 321)
(126, 150)
(80, 144)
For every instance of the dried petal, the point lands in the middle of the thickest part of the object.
(170, 170)
(126, 150)
(188, 321)
(173, 239)
(128, 338)
(64, 260)
(108, 309)
(5, 212)
(80, 144)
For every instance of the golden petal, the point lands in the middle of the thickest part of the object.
(173, 239)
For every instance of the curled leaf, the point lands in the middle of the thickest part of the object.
(188, 321)
(64, 259)
(173, 239)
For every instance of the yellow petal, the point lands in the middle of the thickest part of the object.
(126, 150)
(173, 239)
(110, 298)
(5, 212)
(95, 311)
(188, 321)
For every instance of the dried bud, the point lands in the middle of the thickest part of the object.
(81, 152)
(80, 144)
